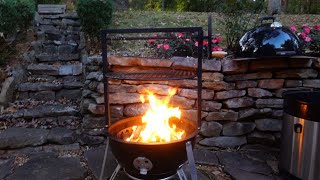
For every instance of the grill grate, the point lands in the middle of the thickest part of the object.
(152, 75)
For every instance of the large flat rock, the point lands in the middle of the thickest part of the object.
(95, 157)
(237, 161)
(206, 157)
(238, 174)
(49, 168)
(5, 167)
(224, 141)
(20, 137)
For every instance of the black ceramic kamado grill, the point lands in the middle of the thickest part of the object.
(151, 160)
(269, 40)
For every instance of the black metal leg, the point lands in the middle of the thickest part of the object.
(192, 164)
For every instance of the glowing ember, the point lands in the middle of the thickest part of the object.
(156, 127)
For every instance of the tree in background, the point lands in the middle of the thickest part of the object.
(94, 15)
(300, 6)
(239, 16)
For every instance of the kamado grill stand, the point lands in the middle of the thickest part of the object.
(143, 160)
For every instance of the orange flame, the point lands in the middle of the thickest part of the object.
(156, 127)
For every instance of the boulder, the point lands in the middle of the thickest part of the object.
(268, 124)
(224, 142)
(210, 129)
(239, 102)
(222, 116)
(21, 137)
(237, 128)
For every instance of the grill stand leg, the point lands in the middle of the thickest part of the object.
(104, 159)
(115, 172)
(181, 174)
(192, 164)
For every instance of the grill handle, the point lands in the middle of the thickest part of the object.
(265, 18)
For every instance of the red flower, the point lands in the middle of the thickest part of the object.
(204, 42)
(180, 35)
(214, 41)
(306, 30)
(316, 27)
(218, 39)
(151, 40)
(303, 35)
(307, 39)
(293, 28)
(159, 46)
(216, 48)
(187, 39)
(166, 47)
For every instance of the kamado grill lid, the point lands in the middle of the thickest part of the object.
(268, 40)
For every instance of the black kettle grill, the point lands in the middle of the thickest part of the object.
(269, 40)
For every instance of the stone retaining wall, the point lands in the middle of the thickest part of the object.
(241, 100)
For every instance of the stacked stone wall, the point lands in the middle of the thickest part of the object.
(241, 100)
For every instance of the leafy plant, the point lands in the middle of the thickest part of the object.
(94, 15)
(238, 16)
(180, 44)
(15, 15)
(310, 37)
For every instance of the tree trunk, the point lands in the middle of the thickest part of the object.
(274, 7)
(284, 6)
(163, 5)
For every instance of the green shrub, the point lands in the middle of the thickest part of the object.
(15, 15)
(239, 16)
(94, 16)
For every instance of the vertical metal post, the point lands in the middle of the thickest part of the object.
(210, 37)
(199, 75)
(105, 65)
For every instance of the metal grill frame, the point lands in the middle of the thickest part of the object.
(107, 73)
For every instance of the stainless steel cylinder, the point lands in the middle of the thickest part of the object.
(300, 135)
(300, 147)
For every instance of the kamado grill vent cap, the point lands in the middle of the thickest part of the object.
(269, 40)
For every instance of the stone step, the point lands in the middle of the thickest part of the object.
(34, 87)
(55, 70)
(40, 111)
(49, 168)
(52, 8)
(55, 57)
(42, 92)
(18, 137)
(70, 82)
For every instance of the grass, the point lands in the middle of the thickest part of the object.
(143, 19)
(153, 19)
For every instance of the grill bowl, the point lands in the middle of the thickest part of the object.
(166, 158)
